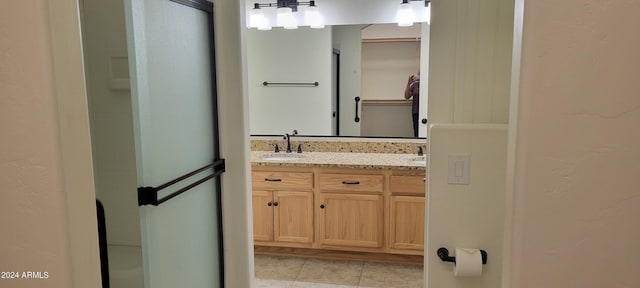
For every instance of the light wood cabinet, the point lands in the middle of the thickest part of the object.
(407, 223)
(293, 217)
(282, 209)
(351, 220)
(262, 215)
(325, 210)
(407, 219)
(336, 182)
(350, 209)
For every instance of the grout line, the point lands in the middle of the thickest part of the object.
(300, 271)
(364, 266)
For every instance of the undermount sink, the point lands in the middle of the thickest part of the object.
(282, 157)
(419, 160)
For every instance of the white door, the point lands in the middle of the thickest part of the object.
(170, 47)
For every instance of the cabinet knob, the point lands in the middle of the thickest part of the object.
(269, 204)
(321, 206)
(275, 203)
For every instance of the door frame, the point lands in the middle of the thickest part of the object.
(69, 86)
(77, 169)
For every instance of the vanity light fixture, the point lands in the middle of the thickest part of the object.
(405, 15)
(285, 15)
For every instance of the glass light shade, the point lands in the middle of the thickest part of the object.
(285, 18)
(405, 15)
(256, 18)
(313, 18)
(264, 23)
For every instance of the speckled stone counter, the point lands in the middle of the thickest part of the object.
(340, 160)
(355, 145)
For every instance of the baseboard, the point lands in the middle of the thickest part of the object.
(342, 255)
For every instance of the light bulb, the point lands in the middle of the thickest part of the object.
(405, 14)
(312, 17)
(286, 19)
(256, 18)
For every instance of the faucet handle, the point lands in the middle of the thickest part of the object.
(299, 148)
(277, 148)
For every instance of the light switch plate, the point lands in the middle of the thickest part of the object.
(459, 169)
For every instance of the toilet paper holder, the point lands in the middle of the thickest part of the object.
(443, 253)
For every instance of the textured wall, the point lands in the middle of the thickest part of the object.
(32, 204)
(577, 199)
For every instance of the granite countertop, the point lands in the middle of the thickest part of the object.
(339, 160)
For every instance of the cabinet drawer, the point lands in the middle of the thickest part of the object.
(407, 184)
(351, 182)
(282, 180)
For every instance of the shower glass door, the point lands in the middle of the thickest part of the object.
(172, 66)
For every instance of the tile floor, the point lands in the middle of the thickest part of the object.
(292, 272)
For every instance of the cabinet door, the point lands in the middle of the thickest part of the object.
(407, 223)
(262, 216)
(293, 216)
(353, 220)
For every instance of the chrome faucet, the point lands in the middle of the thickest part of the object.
(287, 137)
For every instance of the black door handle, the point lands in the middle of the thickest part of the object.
(357, 119)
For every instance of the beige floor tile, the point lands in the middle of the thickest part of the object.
(319, 285)
(384, 275)
(277, 267)
(330, 272)
(266, 283)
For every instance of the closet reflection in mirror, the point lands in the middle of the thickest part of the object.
(368, 62)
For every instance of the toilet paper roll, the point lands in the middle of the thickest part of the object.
(468, 262)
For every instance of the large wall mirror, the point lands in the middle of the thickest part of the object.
(342, 80)
(465, 54)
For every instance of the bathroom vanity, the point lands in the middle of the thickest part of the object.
(337, 204)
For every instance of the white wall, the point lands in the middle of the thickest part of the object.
(107, 73)
(279, 55)
(346, 38)
(468, 216)
(386, 120)
(386, 67)
(469, 83)
(470, 61)
(575, 197)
